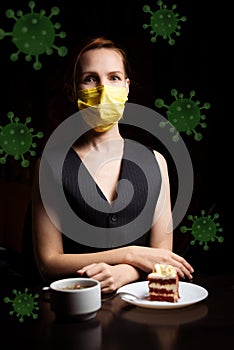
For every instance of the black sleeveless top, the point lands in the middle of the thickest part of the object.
(77, 206)
(130, 215)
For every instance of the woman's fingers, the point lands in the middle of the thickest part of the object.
(99, 271)
(183, 268)
(86, 270)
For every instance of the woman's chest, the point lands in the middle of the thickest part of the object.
(107, 178)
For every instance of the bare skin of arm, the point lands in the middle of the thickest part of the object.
(112, 268)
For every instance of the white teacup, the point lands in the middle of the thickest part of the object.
(76, 297)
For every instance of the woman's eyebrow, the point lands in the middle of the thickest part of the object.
(88, 72)
(93, 72)
(116, 72)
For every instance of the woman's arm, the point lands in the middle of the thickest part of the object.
(162, 228)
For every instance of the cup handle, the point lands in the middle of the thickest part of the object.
(46, 294)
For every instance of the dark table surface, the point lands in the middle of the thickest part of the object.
(208, 324)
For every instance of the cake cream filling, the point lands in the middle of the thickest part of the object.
(168, 287)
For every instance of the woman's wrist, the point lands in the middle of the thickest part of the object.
(127, 274)
(130, 257)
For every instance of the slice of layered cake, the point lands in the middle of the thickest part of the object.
(163, 283)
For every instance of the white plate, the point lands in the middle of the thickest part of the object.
(189, 294)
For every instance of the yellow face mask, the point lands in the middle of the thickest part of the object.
(106, 106)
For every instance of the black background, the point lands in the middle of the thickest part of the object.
(200, 60)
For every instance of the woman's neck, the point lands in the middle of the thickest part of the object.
(99, 140)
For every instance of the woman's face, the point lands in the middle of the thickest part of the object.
(102, 67)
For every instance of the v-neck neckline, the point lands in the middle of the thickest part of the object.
(92, 178)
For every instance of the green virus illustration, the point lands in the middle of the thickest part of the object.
(204, 229)
(16, 139)
(34, 34)
(24, 304)
(183, 115)
(164, 22)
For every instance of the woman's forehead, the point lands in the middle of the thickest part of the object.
(100, 56)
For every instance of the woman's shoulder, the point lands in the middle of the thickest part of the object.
(161, 160)
(138, 145)
(134, 144)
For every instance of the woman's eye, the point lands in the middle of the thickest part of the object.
(115, 77)
(90, 79)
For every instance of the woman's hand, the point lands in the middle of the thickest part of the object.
(110, 277)
(145, 258)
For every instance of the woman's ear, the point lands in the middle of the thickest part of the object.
(127, 84)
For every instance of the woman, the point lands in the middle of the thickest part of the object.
(101, 79)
